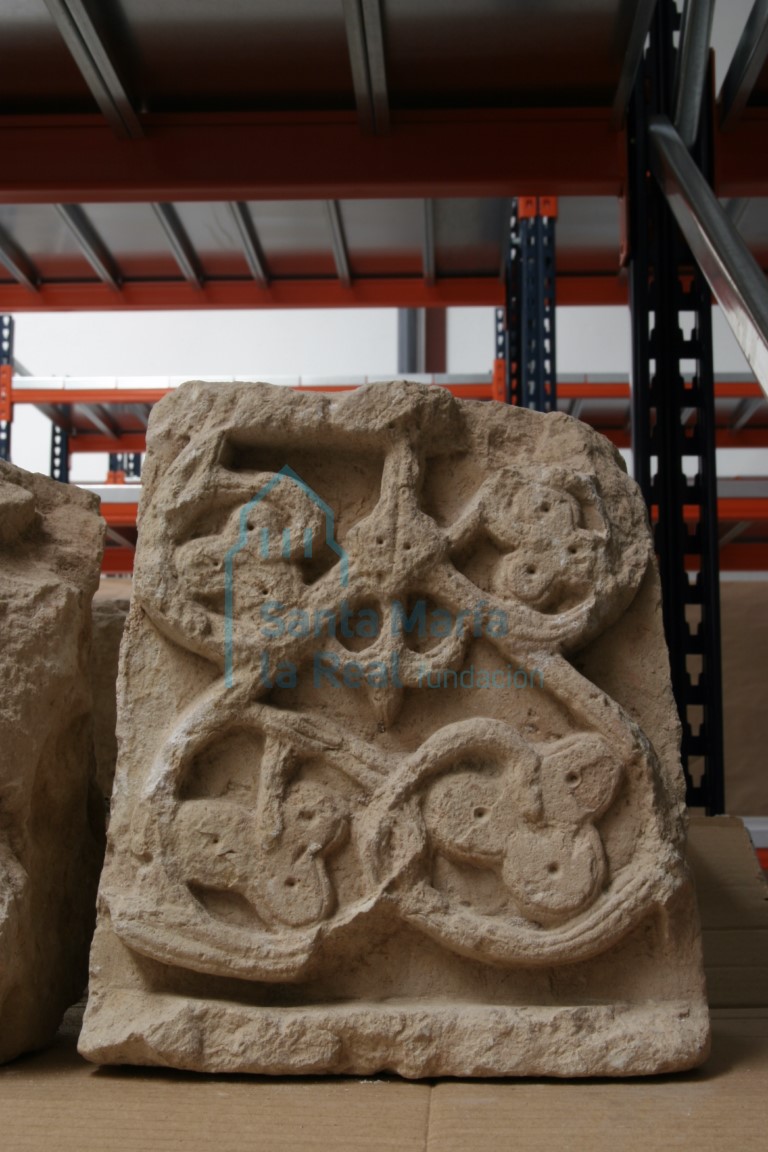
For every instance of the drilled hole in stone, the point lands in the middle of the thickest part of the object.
(291, 882)
(360, 628)
(572, 777)
(479, 813)
(423, 623)
(552, 868)
(531, 569)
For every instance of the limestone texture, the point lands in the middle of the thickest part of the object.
(51, 825)
(398, 784)
(108, 621)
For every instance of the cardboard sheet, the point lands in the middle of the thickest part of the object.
(744, 628)
(733, 903)
(55, 1101)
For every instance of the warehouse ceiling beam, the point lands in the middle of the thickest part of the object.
(18, 263)
(506, 216)
(736, 207)
(428, 242)
(734, 532)
(118, 538)
(338, 243)
(691, 68)
(98, 415)
(181, 246)
(365, 44)
(58, 416)
(634, 21)
(141, 412)
(410, 341)
(249, 241)
(731, 270)
(96, 67)
(741, 157)
(323, 292)
(744, 413)
(746, 65)
(91, 244)
(314, 157)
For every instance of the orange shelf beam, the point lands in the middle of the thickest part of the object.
(78, 159)
(747, 557)
(120, 515)
(755, 437)
(366, 292)
(117, 561)
(566, 389)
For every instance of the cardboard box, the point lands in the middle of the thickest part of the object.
(733, 903)
(56, 1101)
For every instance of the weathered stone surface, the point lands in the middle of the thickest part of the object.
(108, 621)
(455, 849)
(50, 818)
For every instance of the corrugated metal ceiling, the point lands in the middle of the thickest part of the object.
(129, 63)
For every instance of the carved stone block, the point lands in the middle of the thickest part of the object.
(51, 825)
(398, 783)
(108, 622)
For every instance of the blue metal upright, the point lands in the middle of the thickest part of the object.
(124, 466)
(525, 328)
(59, 454)
(6, 379)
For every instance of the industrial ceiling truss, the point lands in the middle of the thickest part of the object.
(336, 152)
(362, 153)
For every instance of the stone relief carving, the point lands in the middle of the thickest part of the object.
(50, 827)
(340, 600)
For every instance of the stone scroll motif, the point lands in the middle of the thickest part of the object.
(356, 715)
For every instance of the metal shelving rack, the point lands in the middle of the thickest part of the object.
(113, 420)
(368, 181)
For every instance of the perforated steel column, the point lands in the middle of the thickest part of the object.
(528, 339)
(673, 434)
(133, 465)
(59, 454)
(6, 382)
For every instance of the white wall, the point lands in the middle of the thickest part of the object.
(597, 341)
(238, 343)
(339, 342)
(589, 340)
(300, 343)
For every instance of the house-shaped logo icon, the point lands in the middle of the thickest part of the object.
(244, 538)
